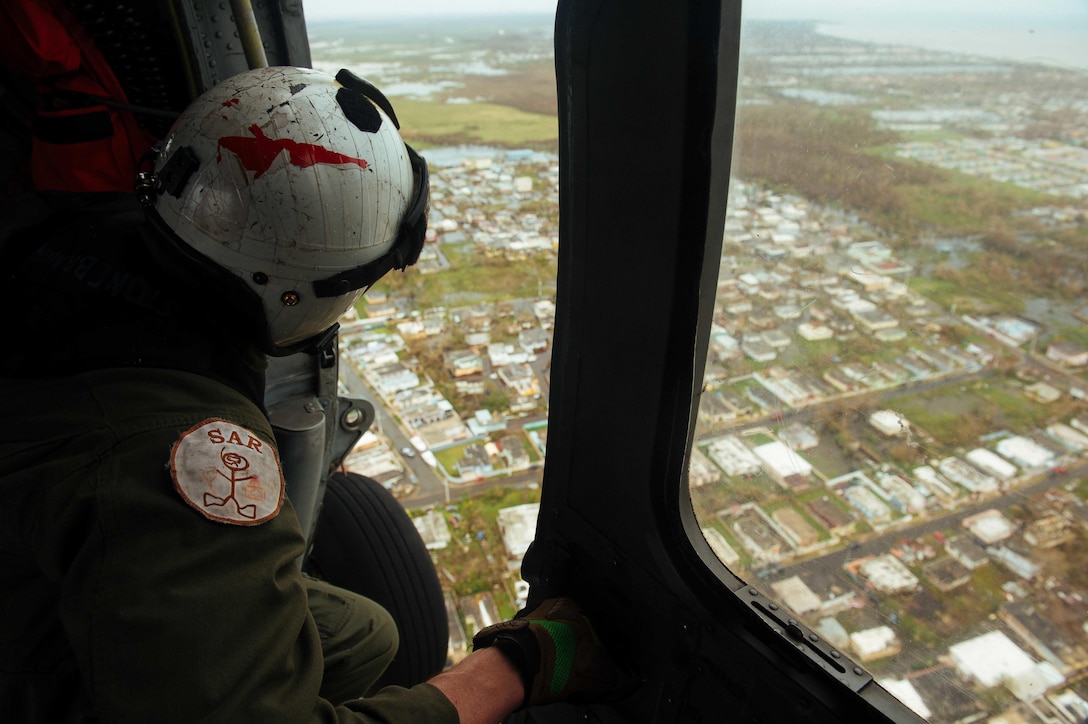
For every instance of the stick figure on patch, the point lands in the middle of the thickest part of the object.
(236, 464)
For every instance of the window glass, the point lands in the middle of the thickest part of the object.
(455, 353)
(892, 433)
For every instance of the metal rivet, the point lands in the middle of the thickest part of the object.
(858, 670)
(835, 654)
(813, 637)
(289, 299)
(753, 591)
(772, 606)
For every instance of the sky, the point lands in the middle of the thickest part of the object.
(766, 9)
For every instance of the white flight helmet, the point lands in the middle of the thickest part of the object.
(296, 183)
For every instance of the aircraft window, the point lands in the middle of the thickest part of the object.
(892, 432)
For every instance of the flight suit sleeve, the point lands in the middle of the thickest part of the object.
(177, 617)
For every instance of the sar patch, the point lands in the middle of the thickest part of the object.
(227, 473)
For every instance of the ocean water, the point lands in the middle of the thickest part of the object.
(1055, 41)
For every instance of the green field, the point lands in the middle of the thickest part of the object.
(427, 124)
(959, 416)
(472, 563)
(472, 278)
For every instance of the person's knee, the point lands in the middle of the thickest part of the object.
(383, 632)
(359, 639)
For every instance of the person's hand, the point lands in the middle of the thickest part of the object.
(557, 653)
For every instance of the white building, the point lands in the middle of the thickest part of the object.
(501, 353)
(1067, 436)
(734, 457)
(963, 474)
(1025, 452)
(888, 574)
(933, 482)
(394, 378)
(867, 503)
(889, 422)
(992, 659)
(518, 526)
(781, 462)
(434, 530)
(797, 596)
(701, 471)
(991, 463)
(989, 526)
(872, 643)
(813, 332)
(901, 493)
(1013, 561)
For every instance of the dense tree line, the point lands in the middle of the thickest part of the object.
(822, 154)
(827, 155)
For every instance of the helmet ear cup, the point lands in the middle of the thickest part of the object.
(414, 226)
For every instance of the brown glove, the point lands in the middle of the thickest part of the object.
(556, 652)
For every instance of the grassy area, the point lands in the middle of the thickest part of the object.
(811, 355)
(958, 417)
(426, 124)
(1019, 413)
(758, 438)
(943, 293)
(474, 562)
(1076, 333)
(978, 599)
(958, 203)
(1081, 489)
(829, 459)
(471, 278)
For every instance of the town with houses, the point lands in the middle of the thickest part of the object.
(907, 477)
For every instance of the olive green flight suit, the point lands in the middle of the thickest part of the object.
(121, 602)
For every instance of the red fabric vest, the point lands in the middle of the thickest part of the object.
(78, 145)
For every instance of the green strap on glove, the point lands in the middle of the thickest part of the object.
(556, 651)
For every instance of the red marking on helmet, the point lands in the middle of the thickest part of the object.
(258, 153)
(231, 102)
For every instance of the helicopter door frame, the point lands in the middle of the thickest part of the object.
(647, 100)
